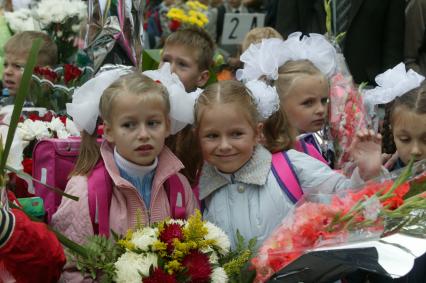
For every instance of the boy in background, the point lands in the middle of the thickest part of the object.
(16, 51)
(190, 54)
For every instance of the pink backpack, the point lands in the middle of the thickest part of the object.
(54, 159)
(286, 177)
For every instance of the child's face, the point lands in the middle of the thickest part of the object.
(183, 62)
(409, 131)
(138, 128)
(306, 104)
(13, 69)
(226, 136)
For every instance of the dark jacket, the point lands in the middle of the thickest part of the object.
(374, 40)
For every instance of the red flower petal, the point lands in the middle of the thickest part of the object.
(171, 232)
(198, 267)
(159, 276)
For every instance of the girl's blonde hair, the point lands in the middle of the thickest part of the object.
(414, 101)
(291, 71)
(277, 132)
(131, 84)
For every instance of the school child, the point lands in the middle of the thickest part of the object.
(29, 252)
(404, 131)
(238, 189)
(143, 172)
(189, 52)
(299, 68)
(16, 51)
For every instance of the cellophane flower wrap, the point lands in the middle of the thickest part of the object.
(191, 13)
(170, 251)
(379, 208)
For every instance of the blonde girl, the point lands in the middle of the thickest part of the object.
(135, 111)
(238, 189)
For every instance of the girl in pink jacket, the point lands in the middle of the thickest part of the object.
(136, 114)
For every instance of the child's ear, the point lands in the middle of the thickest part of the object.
(203, 78)
(107, 132)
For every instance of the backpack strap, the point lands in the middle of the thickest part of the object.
(286, 176)
(309, 149)
(99, 196)
(176, 193)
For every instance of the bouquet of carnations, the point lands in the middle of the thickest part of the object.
(380, 208)
(170, 251)
(53, 88)
(190, 13)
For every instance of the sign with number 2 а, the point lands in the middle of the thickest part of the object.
(236, 26)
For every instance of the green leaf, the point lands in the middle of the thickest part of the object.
(58, 191)
(19, 100)
(151, 59)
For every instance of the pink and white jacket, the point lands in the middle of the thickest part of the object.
(73, 218)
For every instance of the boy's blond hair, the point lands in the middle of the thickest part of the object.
(198, 40)
(257, 34)
(20, 44)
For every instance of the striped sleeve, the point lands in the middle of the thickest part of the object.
(7, 224)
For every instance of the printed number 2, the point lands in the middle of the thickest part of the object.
(232, 34)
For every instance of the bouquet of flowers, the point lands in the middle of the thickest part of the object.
(170, 251)
(347, 115)
(53, 88)
(377, 209)
(190, 13)
(60, 19)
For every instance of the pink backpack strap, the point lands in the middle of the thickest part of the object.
(176, 194)
(309, 149)
(99, 195)
(286, 176)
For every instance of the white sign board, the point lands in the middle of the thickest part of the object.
(236, 26)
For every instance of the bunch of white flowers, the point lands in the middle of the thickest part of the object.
(21, 20)
(30, 130)
(58, 11)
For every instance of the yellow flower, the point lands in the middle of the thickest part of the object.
(125, 242)
(173, 266)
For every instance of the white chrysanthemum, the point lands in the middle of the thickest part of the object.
(20, 20)
(219, 275)
(131, 267)
(144, 238)
(56, 125)
(29, 130)
(217, 234)
(57, 11)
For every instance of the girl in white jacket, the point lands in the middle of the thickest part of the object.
(237, 186)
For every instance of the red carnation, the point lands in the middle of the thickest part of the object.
(159, 276)
(171, 232)
(71, 73)
(198, 267)
(46, 73)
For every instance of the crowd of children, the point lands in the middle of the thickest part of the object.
(152, 164)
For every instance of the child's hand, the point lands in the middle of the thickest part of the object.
(366, 152)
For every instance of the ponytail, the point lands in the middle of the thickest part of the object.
(279, 135)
